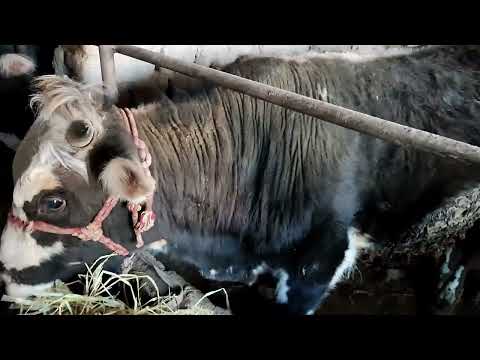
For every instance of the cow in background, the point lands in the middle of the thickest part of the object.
(19, 64)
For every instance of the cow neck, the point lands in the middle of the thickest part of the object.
(94, 230)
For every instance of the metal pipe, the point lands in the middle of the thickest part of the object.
(107, 64)
(371, 125)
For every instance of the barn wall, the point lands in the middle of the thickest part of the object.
(83, 63)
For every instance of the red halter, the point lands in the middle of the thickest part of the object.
(94, 231)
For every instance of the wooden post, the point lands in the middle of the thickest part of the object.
(107, 64)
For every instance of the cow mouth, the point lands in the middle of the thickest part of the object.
(23, 291)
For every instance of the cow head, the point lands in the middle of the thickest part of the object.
(76, 154)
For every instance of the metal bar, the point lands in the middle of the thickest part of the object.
(374, 126)
(107, 64)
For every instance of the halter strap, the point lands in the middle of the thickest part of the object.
(94, 230)
(146, 220)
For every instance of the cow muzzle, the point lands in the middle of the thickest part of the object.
(23, 291)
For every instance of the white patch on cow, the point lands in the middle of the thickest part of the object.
(39, 174)
(282, 288)
(54, 155)
(356, 242)
(281, 291)
(450, 292)
(10, 140)
(15, 65)
(160, 246)
(363, 241)
(19, 213)
(445, 268)
(116, 179)
(32, 182)
(213, 273)
(19, 250)
(260, 269)
(22, 291)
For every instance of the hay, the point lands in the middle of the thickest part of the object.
(99, 297)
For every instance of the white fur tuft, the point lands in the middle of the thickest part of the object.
(116, 178)
(12, 65)
(282, 288)
(40, 173)
(357, 241)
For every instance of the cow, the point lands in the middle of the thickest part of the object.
(239, 187)
(19, 64)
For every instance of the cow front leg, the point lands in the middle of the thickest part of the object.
(277, 298)
(327, 257)
(298, 297)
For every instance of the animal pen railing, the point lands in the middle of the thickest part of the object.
(354, 120)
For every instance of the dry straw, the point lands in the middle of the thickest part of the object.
(99, 297)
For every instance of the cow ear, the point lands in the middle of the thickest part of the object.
(127, 179)
(12, 65)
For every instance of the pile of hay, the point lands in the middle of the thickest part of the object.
(99, 298)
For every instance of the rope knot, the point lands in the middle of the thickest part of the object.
(146, 221)
(92, 231)
(29, 227)
(24, 225)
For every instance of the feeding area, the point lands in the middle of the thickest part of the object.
(108, 293)
(254, 179)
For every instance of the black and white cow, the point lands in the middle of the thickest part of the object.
(19, 64)
(243, 187)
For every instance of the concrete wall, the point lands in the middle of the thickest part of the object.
(83, 62)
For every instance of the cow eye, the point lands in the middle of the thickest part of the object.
(79, 133)
(52, 204)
